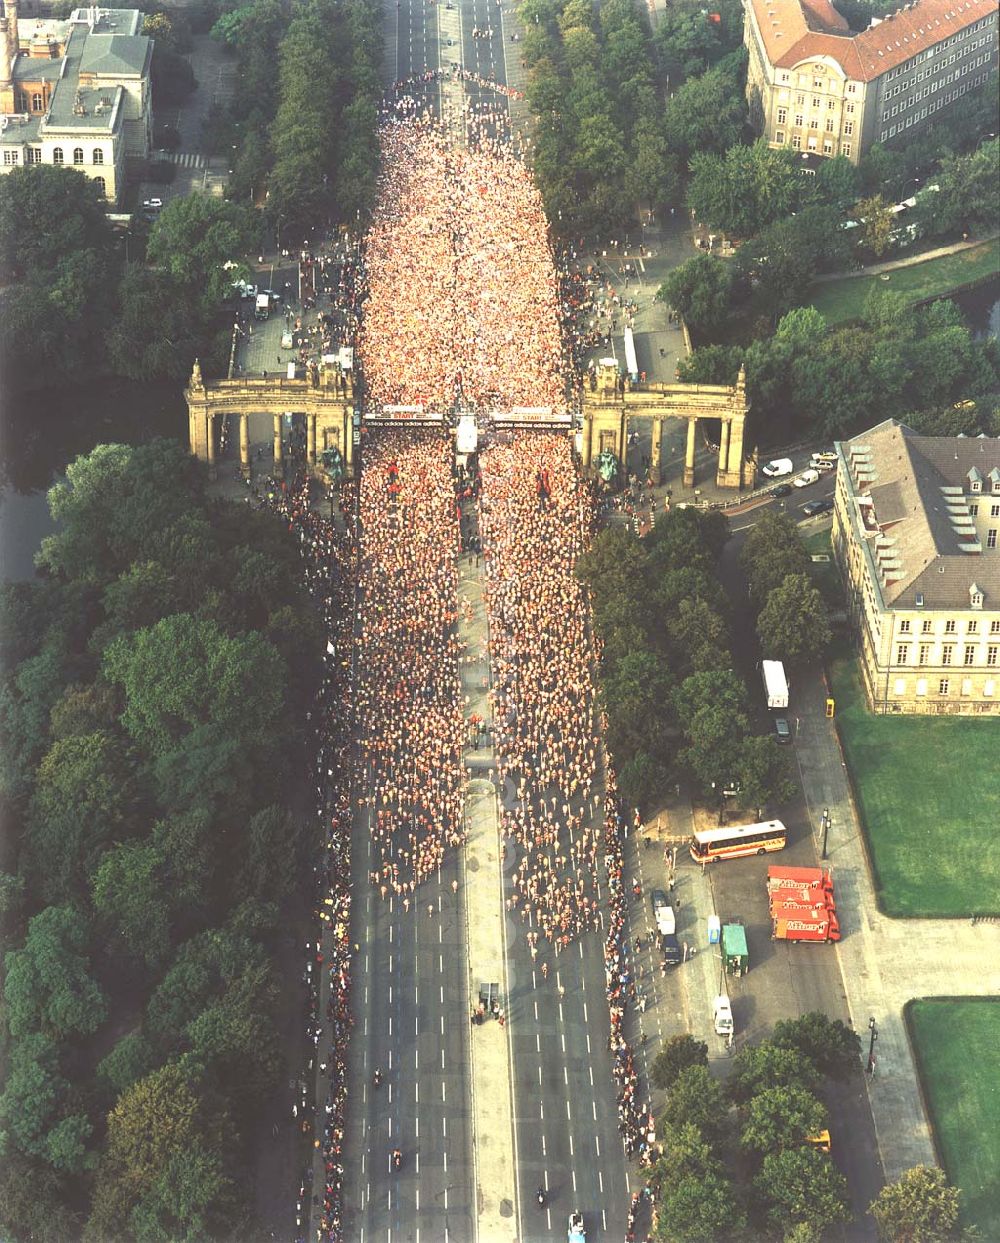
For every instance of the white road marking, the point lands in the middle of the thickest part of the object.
(597, 1144)
(593, 1105)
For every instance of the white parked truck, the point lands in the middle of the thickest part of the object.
(775, 683)
(262, 308)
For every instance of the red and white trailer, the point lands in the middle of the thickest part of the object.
(793, 923)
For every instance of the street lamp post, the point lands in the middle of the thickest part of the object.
(873, 1030)
(826, 829)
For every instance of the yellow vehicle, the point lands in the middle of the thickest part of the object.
(820, 1141)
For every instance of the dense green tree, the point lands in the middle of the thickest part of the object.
(183, 674)
(701, 291)
(25, 704)
(130, 1060)
(130, 897)
(196, 235)
(684, 1153)
(117, 504)
(759, 1067)
(782, 1117)
(697, 1098)
(763, 771)
(677, 1054)
(772, 550)
(802, 1185)
(32, 1107)
(877, 223)
(49, 986)
(164, 321)
(85, 796)
(837, 184)
(745, 190)
(831, 1046)
(687, 43)
(47, 213)
(699, 637)
(162, 1148)
(919, 1207)
(699, 1209)
(706, 114)
(271, 856)
(793, 625)
(33, 1205)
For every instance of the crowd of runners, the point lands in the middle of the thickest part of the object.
(462, 306)
(407, 695)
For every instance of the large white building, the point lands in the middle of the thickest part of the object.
(817, 87)
(915, 532)
(76, 92)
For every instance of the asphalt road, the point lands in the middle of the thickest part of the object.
(565, 1103)
(411, 1013)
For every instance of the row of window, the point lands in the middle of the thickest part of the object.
(950, 626)
(927, 73)
(814, 122)
(939, 47)
(970, 654)
(13, 155)
(812, 145)
(933, 107)
(944, 687)
(932, 88)
(817, 83)
(800, 101)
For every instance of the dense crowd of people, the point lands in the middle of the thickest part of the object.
(532, 523)
(407, 696)
(462, 306)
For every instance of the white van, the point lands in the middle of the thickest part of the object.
(722, 1015)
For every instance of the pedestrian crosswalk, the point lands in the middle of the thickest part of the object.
(184, 159)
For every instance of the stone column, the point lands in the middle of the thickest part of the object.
(734, 465)
(213, 474)
(587, 438)
(245, 445)
(654, 456)
(279, 457)
(310, 438)
(724, 446)
(347, 441)
(689, 454)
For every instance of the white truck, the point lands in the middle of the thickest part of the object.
(722, 1015)
(775, 683)
(262, 309)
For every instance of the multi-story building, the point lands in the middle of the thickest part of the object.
(76, 92)
(915, 531)
(815, 86)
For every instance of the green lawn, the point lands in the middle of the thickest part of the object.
(824, 573)
(929, 800)
(958, 1050)
(844, 299)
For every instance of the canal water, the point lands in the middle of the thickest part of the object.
(42, 432)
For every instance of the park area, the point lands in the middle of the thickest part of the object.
(841, 300)
(929, 802)
(957, 1042)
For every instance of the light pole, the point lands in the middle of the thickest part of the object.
(871, 1046)
(826, 829)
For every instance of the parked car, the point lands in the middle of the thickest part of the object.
(806, 478)
(152, 204)
(783, 489)
(826, 456)
(778, 467)
(782, 730)
(817, 507)
(823, 465)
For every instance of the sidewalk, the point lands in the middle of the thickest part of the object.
(482, 883)
(885, 962)
(873, 269)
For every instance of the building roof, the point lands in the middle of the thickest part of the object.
(115, 56)
(798, 30)
(918, 489)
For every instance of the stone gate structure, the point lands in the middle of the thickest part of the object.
(325, 397)
(610, 401)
